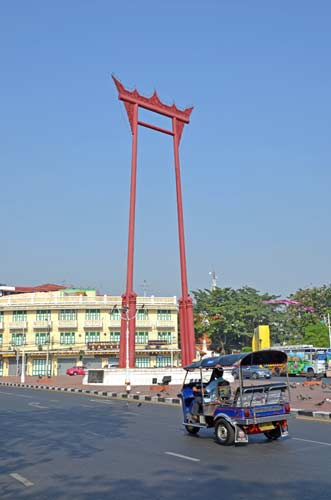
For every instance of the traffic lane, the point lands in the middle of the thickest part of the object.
(121, 445)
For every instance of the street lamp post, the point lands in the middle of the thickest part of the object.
(329, 328)
(17, 360)
(47, 354)
(23, 367)
(127, 318)
(172, 351)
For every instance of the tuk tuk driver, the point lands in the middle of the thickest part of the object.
(211, 390)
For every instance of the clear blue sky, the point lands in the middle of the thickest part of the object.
(255, 158)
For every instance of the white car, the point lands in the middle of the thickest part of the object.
(111, 365)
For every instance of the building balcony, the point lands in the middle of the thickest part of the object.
(18, 325)
(114, 323)
(42, 325)
(165, 323)
(143, 323)
(67, 323)
(93, 323)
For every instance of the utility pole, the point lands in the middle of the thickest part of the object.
(17, 360)
(47, 354)
(23, 367)
(125, 315)
(329, 327)
(144, 286)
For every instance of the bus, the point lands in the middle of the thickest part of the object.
(306, 359)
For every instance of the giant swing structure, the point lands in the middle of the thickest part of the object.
(133, 101)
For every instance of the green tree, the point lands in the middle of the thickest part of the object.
(317, 335)
(229, 316)
(312, 306)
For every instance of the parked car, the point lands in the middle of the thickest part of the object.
(76, 370)
(111, 365)
(254, 372)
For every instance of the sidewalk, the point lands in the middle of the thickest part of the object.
(306, 400)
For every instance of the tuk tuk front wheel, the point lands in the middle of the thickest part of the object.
(224, 433)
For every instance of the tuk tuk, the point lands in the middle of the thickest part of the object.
(239, 411)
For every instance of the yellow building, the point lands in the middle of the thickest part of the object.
(68, 327)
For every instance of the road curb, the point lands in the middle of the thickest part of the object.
(108, 394)
(150, 399)
(312, 414)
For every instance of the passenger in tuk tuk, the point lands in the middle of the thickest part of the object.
(217, 389)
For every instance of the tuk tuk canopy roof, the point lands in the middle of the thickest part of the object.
(211, 362)
(266, 357)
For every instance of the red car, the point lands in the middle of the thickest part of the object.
(76, 370)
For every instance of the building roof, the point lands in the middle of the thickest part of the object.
(47, 287)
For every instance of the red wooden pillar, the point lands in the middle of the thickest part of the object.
(185, 302)
(128, 322)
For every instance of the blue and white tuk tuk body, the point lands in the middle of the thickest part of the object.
(242, 410)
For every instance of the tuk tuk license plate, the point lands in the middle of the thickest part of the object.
(266, 427)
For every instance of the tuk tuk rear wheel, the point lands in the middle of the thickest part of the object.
(224, 433)
(192, 430)
(273, 434)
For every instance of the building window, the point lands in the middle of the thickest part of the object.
(18, 339)
(115, 315)
(41, 338)
(164, 314)
(166, 336)
(142, 314)
(92, 314)
(92, 337)
(1, 316)
(115, 337)
(19, 316)
(67, 338)
(141, 337)
(143, 362)
(1, 368)
(0, 338)
(39, 367)
(43, 315)
(67, 315)
(163, 361)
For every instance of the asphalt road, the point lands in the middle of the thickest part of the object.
(68, 446)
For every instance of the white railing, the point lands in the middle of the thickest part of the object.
(67, 323)
(114, 323)
(98, 300)
(18, 325)
(143, 323)
(93, 323)
(163, 323)
(42, 324)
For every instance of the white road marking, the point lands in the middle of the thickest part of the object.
(18, 395)
(94, 433)
(21, 479)
(182, 456)
(101, 401)
(314, 442)
(38, 406)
